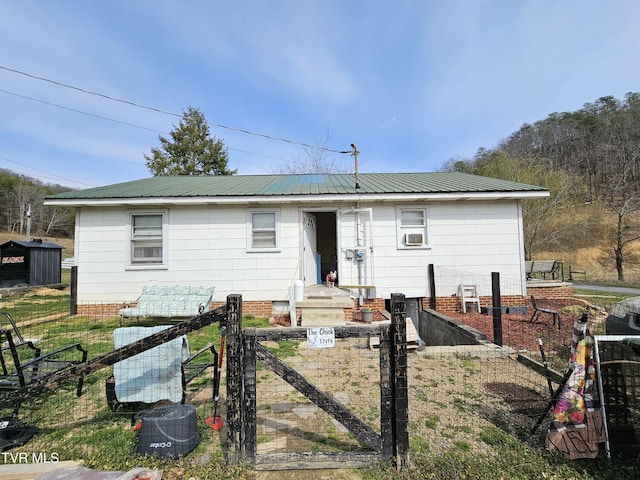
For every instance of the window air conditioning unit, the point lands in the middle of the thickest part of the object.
(413, 239)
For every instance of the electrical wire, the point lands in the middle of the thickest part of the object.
(80, 111)
(102, 117)
(137, 105)
(52, 176)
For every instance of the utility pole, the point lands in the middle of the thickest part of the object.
(354, 154)
(28, 222)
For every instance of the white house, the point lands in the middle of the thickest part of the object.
(255, 235)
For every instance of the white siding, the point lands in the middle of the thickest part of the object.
(475, 237)
(208, 246)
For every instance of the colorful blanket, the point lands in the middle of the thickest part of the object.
(577, 428)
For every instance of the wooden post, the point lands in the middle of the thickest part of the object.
(73, 302)
(399, 376)
(497, 308)
(432, 287)
(235, 373)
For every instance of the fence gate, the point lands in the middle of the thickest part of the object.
(367, 415)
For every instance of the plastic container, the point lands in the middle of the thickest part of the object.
(367, 315)
(169, 431)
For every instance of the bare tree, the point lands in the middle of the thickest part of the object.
(23, 197)
(320, 159)
(541, 217)
(598, 146)
(55, 219)
(627, 227)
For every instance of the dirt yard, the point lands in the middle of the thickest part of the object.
(454, 395)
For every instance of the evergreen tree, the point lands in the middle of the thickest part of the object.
(191, 150)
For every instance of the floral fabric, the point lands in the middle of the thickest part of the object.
(577, 427)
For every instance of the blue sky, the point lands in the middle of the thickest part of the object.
(413, 83)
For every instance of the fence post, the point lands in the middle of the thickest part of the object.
(249, 417)
(73, 302)
(399, 376)
(432, 287)
(386, 392)
(497, 308)
(235, 373)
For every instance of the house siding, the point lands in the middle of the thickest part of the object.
(479, 239)
(207, 245)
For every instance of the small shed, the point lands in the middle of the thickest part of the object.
(32, 263)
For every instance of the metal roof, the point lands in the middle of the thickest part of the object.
(26, 244)
(172, 187)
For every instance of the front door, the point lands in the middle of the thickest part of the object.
(310, 247)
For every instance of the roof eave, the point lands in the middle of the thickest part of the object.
(302, 199)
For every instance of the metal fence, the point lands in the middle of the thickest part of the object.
(456, 392)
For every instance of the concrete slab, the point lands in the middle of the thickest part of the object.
(482, 351)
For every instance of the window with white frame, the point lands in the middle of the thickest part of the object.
(412, 227)
(147, 239)
(262, 230)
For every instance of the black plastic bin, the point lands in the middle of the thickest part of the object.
(169, 431)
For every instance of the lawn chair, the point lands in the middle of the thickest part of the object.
(537, 311)
(23, 363)
(18, 338)
(158, 374)
(469, 294)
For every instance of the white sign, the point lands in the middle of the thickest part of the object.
(321, 337)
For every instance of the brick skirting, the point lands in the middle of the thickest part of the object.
(443, 304)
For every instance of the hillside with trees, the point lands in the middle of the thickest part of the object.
(590, 161)
(22, 208)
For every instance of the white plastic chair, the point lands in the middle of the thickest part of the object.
(468, 294)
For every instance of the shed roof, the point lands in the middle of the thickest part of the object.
(253, 187)
(26, 244)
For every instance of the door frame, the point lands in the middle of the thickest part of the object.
(315, 211)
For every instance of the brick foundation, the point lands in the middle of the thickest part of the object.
(255, 308)
(443, 304)
(552, 290)
(99, 309)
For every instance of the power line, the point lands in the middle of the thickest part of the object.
(137, 105)
(80, 111)
(52, 176)
(102, 117)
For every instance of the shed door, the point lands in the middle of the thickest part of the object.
(310, 247)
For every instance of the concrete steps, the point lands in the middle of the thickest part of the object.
(323, 307)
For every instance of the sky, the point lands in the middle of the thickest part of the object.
(87, 87)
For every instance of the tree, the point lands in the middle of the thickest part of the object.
(190, 151)
(543, 226)
(19, 194)
(457, 164)
(319, 159)
(598, 146)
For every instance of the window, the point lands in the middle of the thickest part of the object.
(411, 227)
(263, 234)
(147, 239)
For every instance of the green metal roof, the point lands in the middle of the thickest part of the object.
(299, 185)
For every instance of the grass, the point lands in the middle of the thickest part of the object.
(84, 429)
